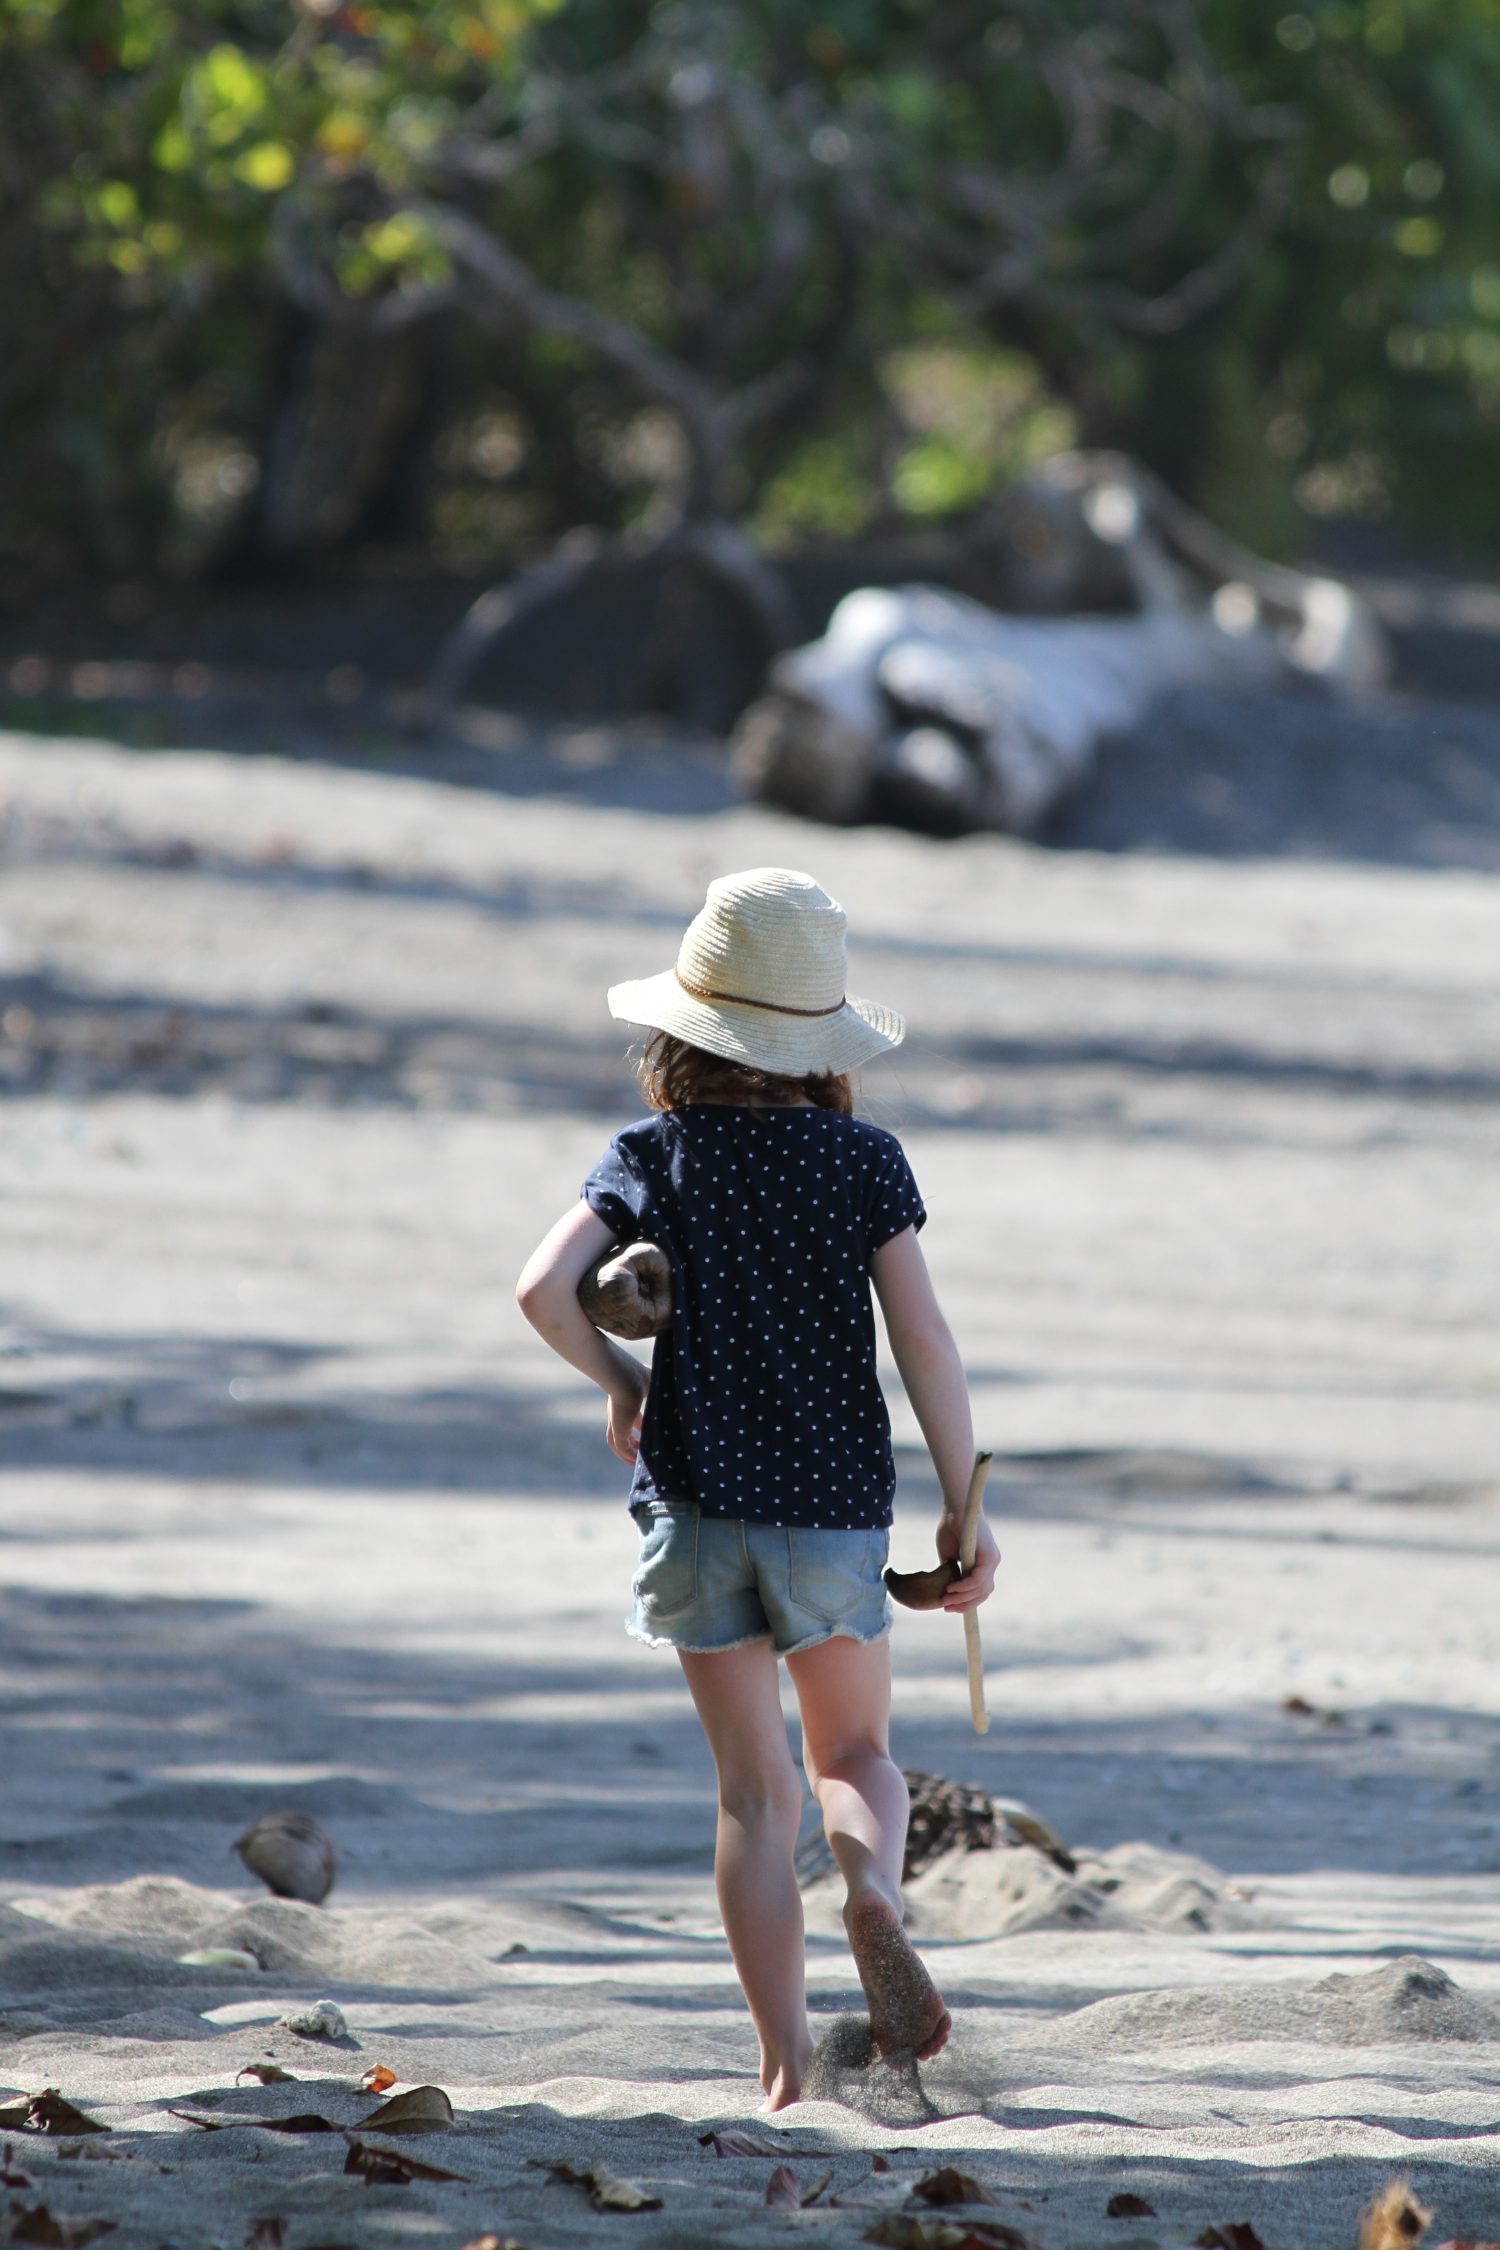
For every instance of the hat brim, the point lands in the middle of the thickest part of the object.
(760, 1038)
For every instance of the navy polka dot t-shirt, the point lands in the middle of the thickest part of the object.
(764, 1401)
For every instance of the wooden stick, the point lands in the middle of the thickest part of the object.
(968, 1539)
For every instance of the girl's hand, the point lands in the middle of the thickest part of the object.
(979, 1583)
(627, 1403)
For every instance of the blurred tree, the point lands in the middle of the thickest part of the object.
(288, 278)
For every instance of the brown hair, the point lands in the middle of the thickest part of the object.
(672, 1073)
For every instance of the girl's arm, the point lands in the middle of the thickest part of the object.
(547, 1294)
(927, 1358)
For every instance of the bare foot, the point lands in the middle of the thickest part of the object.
(784, 2089)
(782, 2081)
(906, 2009)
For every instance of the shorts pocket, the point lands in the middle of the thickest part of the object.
(666, 1572)
(830, 1573)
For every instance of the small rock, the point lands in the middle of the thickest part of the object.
(324, 2020)
(291, 1854)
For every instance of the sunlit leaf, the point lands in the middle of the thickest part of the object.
(231, 83)
(267, 165)
(424, 2109)
(172, 149)
(48, 2112)
(118, 203)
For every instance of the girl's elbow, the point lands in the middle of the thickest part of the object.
(536, 1294)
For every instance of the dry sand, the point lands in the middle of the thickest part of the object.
(300, 1060)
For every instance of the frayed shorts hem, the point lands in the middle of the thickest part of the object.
(688, 1648)
(748, 1640)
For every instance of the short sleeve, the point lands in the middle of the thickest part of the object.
(894, 1201)
(616, 1193)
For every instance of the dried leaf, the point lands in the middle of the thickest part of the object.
(949, 2186)
(306, 2121)
(388, 2167)
(1129, 2207)
(606, 2193)
(1298, 1707)
(268, 2074)
(904, 2231)
(47, 2112)
(1395, 2220)
(783, 2189)
(611, 2194)
(38, 2225)
(733, 2142)
(266, 2234)
(378, 2079)
(1235, 2234)
(426, 2109)
(898, 2230)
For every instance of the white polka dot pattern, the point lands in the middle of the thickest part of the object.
(765, 1403)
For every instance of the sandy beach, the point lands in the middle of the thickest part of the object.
(299, 1059)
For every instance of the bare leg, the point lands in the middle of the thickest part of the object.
(738, 1696)
(844, 1689)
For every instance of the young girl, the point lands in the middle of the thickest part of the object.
(761, 1445)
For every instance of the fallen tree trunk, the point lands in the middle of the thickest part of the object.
(926, 706)
(923, 706)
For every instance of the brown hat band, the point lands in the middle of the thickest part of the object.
(738, 1000)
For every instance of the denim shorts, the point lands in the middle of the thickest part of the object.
(708, 1583)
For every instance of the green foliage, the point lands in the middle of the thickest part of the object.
(1363, 351)
(240, 330)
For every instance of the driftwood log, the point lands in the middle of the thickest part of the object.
(628, 1293)
(922, 705)
(948, 1816)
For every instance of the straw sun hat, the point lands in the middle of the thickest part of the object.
(760, 980)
